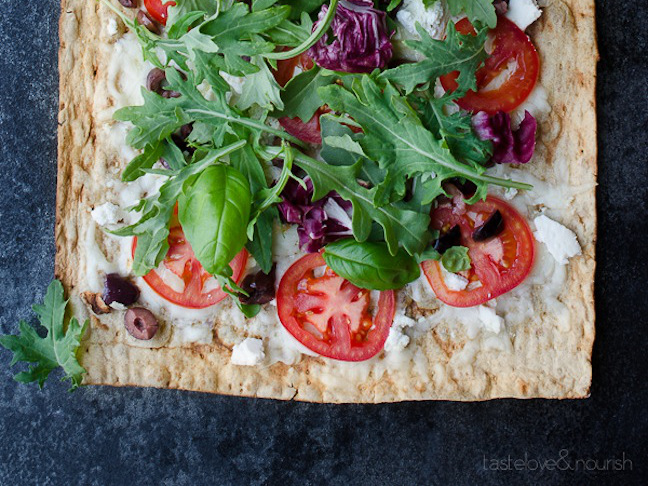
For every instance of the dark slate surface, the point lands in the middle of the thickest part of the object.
(129, 436)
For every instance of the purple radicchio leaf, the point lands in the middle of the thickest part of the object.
(320, 222)
(509, 147)
(361, 41)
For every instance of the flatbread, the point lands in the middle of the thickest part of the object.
(547, 358)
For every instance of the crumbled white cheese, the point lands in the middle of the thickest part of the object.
(510, 193)
(454, 281)
(118, 306)
(108, 214)
(397, 339)
(523, 12)
(145, 186)
(490, 320)
(248, 353)
(561, 241)
(433, 19)
(111, 27)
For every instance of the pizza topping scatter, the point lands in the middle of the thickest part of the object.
(261, 116)
(365, 150)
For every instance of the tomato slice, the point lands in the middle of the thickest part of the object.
(499, 264)
(182, 280)
(509, 74)
(158, 10)
(330, 315)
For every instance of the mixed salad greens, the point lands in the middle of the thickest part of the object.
(388, 144)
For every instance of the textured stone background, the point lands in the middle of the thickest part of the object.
(131, 436)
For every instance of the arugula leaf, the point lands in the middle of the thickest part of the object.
(396, 138)
(322, 26)
(462, 53)
(147, 159)
(481, 11)
(340, 146)
(208, 37)
(182, 8)
(57, 349)
(300, 95)
(214, 210)
(370, 265)
(456, 129)
(291, 34)
(159, 117)
(456, 259)
(269, 197)
(400, 227)
(261, 89)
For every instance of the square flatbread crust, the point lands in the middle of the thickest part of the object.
(547, 357)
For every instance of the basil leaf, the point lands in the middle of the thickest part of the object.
(214, 211)
(369, 265)
(456, 259)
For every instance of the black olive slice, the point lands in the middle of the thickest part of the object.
(493, 226)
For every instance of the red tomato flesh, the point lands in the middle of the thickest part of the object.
(158, 10)
(200, 288)
(499, 264)
(330, 315)
(514, 56)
